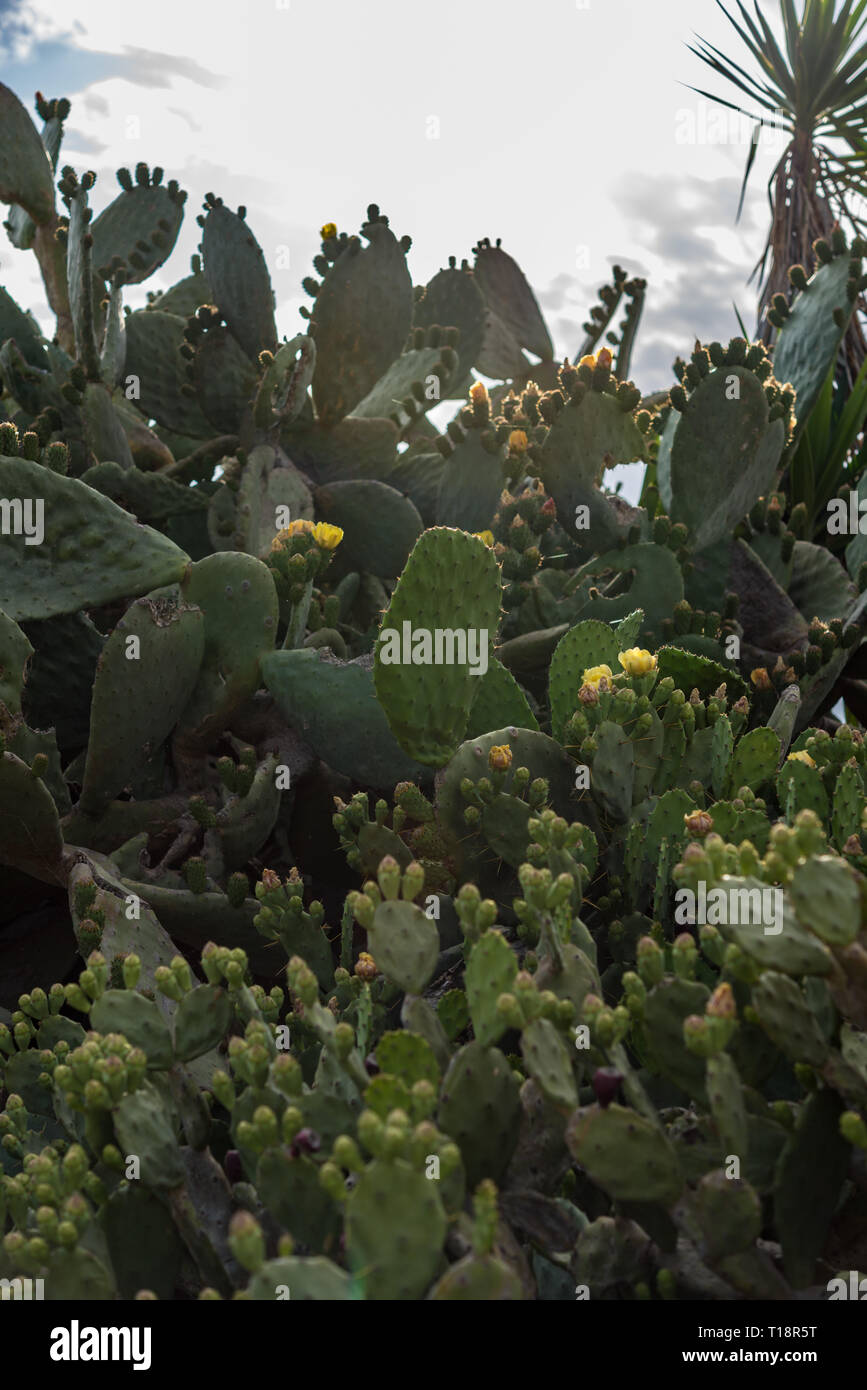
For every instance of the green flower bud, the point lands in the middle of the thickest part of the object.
(265, 1122)
(223, 1088)
(182, 973)
(344, 1040)
(651, 961)
(292, 1122)
(388, 876)
(131, 970)
(67, 1235)
(167, 983)
(853, 1128)
(371, 1131)
(413, 880)
(346, 1154)
(246, 1241)
(332, 1180)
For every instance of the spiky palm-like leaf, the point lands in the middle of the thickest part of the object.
(816, 91)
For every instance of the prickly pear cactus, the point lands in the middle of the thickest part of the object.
(428, 875)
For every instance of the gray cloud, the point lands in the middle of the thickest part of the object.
(147, 68)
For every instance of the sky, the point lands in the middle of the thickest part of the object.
(565, 127)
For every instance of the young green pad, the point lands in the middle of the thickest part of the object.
(202, 1021)
(451, 584)
(490, 972)
(405, 944)
(125, 1011)
(549, 1062)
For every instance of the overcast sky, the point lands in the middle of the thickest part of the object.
(561, 126)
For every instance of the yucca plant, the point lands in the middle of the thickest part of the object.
(817, 91)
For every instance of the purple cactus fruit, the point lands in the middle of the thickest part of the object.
(306, 1141)
(232, 1165)
(371, 1065)
(606, 1083)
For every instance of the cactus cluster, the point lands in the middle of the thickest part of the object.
(465, 867)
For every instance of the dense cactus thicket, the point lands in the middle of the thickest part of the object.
(464, 864)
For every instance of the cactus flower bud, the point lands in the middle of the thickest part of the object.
(365, 966)
(853, 1129)
(413, 881)
(500, 758)
(246, 1241)
(651, 961)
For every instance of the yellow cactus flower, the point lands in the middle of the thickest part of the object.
(500, 758)
(295, 528)
(802, 757)
(760, 679)
(478, 392)
(486, 536)
(603, 357)
(328, 231)
(595, 675)
(588, 361)
(637, 661)
(518, 442)
(326, 536)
